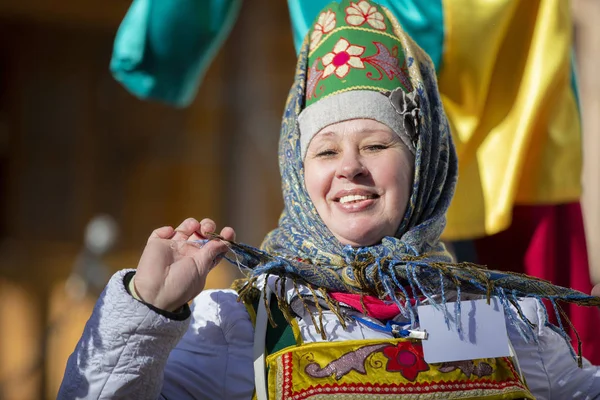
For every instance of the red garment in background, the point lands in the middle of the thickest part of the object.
(549, 242)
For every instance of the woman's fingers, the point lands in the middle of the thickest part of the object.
(189, 229)
(186, 229)
(210, 255)
(207, 226)
(228, 233)
(162, 233)
(206, 255)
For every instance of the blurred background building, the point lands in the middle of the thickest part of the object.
(87, 171)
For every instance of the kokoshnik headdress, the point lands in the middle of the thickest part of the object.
(357, 62)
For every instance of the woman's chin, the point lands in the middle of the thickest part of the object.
(359, 240)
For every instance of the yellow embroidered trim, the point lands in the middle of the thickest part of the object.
(378, 369)
(345, 343)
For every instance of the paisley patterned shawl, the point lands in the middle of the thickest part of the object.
(413, 263)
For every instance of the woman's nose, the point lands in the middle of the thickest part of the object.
(351, 166)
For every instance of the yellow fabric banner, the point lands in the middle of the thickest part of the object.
(505, 82)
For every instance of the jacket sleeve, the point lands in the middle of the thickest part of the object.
(123, 350)
(549, 367)
(214, 358)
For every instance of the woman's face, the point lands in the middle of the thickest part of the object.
(358, 174)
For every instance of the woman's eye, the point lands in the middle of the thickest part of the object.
(376, 147)
(326, 153)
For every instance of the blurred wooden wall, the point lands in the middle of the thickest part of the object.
(74, 144)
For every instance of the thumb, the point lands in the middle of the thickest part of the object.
(209, 255)
(164, 232)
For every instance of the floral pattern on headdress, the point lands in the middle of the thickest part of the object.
(363, 12)
(354, 46)
(386, 62)
(343, 57)
(325, 24)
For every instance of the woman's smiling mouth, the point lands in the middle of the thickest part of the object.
(353, 198)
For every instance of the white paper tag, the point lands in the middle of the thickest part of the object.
(483, 332)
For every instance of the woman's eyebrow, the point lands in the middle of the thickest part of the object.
(326, 133)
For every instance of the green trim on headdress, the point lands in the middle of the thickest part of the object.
(353, 47)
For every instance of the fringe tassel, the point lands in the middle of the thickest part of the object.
(334, 307)
(568, 320)
(306, 308)
(320, 312)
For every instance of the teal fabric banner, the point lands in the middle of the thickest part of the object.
(163, 48)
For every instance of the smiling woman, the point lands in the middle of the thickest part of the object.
(358, 174)
(350, 276)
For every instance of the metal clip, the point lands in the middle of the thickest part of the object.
(408, 333)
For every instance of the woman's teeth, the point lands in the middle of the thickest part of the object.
(351, 198)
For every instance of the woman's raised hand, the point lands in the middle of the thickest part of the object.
(173, 269)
